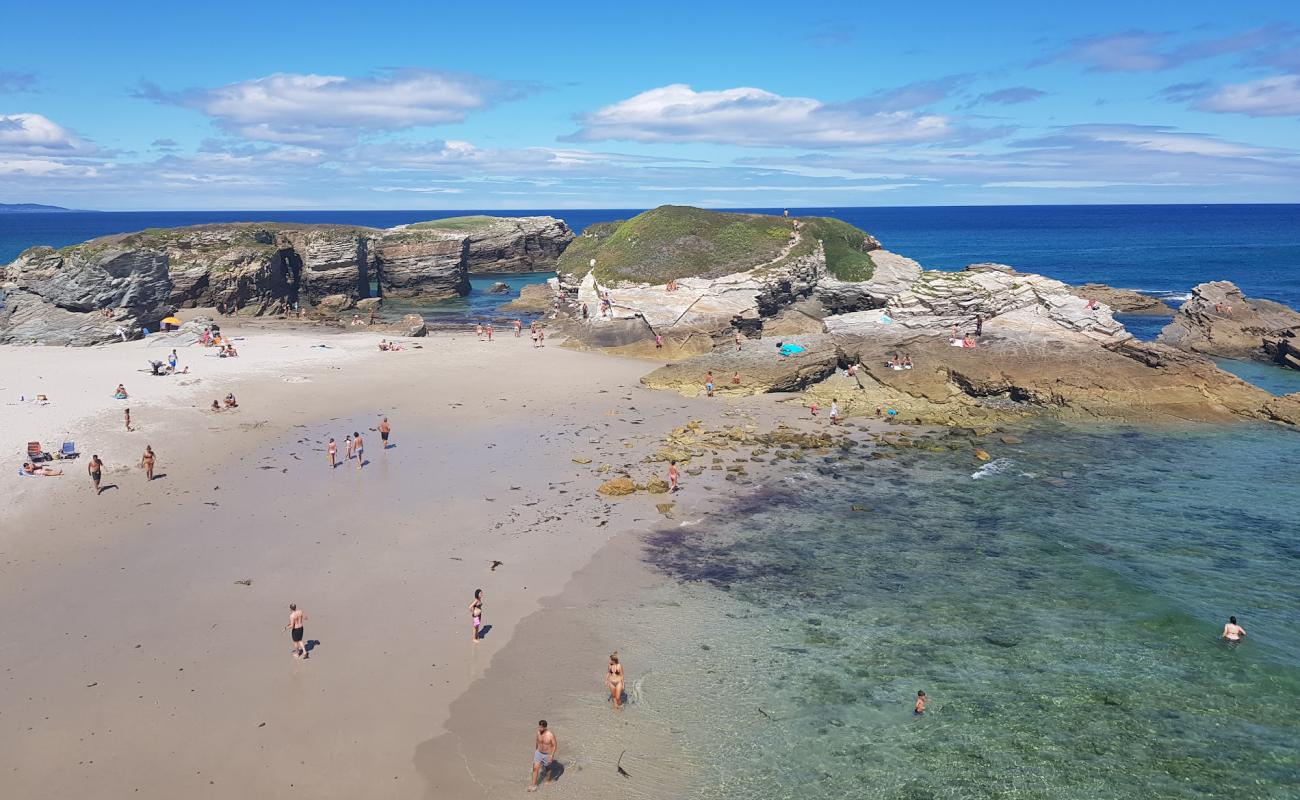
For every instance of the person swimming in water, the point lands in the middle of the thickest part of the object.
(920, 703)
(614, 680)
(1232, 632)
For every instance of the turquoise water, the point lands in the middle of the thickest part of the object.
(477, 306)
(1061, 610)
(1276, 379)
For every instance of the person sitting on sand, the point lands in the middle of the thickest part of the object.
(230, 401)
(231, 351)
(735, 379)
(48, 472)
(969, 341)
(907, 361)
(120, 392)
(1232, 632)
(383, 344)
(614, 680)
(215, 406)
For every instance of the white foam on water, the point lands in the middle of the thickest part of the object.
(995, 467)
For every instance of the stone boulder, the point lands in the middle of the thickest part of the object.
(367, 304)
(422, 264)
(761, 367)
(499, 288)
(535, 298)
(617, 487)
(335, 303)
(1219, 320)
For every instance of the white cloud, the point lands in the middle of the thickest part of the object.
(45, 167)
(1278, 96)
(755, 118)
(324, 109)
(33, 133)
(1065, 184)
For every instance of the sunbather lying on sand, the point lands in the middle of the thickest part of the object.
(49, 472)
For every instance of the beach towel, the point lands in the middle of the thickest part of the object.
(26, 474)
(790, 349)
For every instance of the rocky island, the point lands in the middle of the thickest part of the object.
(57, 296)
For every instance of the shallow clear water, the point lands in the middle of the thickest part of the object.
(1062, 611)
(479, 305)
(1276, 379)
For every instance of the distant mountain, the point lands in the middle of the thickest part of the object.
(30, 208)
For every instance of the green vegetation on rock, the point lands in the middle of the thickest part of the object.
(458, 224)
(683, 242)
(677, 242)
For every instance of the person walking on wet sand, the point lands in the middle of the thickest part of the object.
(332, 450)
(614, 680)
(359, 447)
(295, 628)
(147, 461)
(127, 413)
(96, 469)
(835, 411)
(347, 441)
(544, 751)
(476, 614)
(1232, 632)
(672, 476)
(384, 430)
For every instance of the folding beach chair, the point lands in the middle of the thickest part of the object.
(69, 450)
(35, 454)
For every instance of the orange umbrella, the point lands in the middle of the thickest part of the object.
(171, 321)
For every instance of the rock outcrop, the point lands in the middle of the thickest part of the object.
(1219, 320)
(254, 267)
(940, 301)
(893, 274)
(1123, 301)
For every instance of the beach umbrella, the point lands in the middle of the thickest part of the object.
(172, 321)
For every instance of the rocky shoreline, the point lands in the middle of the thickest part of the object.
(94, 292)
(859, 324)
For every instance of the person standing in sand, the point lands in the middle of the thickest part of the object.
(147, 461)
(359, 447)
(478, 331)
(384, 430)
(672, 476)
(333, 450)
(96, 469)
(297, 619)
(1232, 632)
(738, 339)
(347, 441)
(127, 413)
(476, 614)
(835, 411)
(488, 331)
(544, 751)
(519, 327)
(614, 680)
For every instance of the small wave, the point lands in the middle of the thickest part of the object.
(995, 467)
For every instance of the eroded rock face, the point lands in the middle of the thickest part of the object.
(1219, 320)
(982, 292)
(57, 296)
(893, 274)
(517, 244)
(253, 268)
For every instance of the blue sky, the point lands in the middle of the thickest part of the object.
(528, 105)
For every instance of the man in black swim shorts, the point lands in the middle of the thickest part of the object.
(295, 627)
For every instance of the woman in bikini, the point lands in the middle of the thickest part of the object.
(147, 461)
(476, 613)
(614, 680)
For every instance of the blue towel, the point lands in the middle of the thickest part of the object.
(790, 349)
